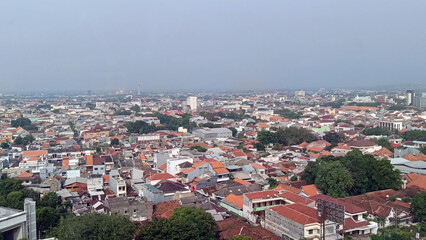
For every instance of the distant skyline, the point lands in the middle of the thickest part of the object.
(219, 45)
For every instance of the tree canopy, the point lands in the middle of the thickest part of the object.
(367, 173)
(376, 131)
(93, 226)
(288, 136)
(287, 113)
(198, 148)
(334, 179)
(24, 123)
(418, 206)
(186, 223)
(413, 135)
(115, 141)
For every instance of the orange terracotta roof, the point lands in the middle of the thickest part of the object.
(142, 156)
(34, 153)
(235, 199)
(89, 160)
(65, 164)
(160, 176)
(419, 183)
(241, 181)
(310, 190)
(258, 166)
(25, 175)
(106, 178)
(221, 170)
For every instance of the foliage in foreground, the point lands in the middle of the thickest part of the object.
(186, 223)
(95, 226)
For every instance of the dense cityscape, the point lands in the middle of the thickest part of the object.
(323, 164)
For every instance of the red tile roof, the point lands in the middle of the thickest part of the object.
(261, 194)
(298, 213)
(160, 176)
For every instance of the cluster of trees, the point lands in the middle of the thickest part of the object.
(135, 108)
(168, 122)
(336, 104)
(376, 131)
(23, 140)
(140, 127)
(49, 208)
(24, 123)
(334, 138)
(123, 111)
(287, 113)
(13, 194)
(114, 142)
(413, 135)
(198, 148)
(286, 137)
(93, 226)
(186, 223)
(353, 174)
(5, 145)
(237, 116)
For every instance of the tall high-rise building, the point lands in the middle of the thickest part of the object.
(192, 103)
(420, 101)
(410, 97)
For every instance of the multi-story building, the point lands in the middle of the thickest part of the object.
(420, 101)
(139, 209)
(391, 125)
(16, 224)
(118, 186)
(410, 96)
(192, 102)
(210, 134)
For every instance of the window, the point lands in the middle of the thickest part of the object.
(311, 232)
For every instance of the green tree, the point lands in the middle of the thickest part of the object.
(259, 146)
(47, 218)
(273, 183)
(384, 143)
(24, 123)
(135, 108)
(333, 138)
(287, 113)
(50, 199)
(293, 135)
(95, 226)
(334, 179)
(115, 141)
(376, 131)
(266, 137)
(418, 206)
(413, 135)
(234, 131)
(198, 148)
(20, 122)
(186, 223)
(240, 237)
(5, 145)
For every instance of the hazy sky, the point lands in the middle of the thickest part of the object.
(210, 44)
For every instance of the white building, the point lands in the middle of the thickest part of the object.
(192, 103)
(17, 224)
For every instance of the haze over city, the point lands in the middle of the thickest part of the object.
(210, 45)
